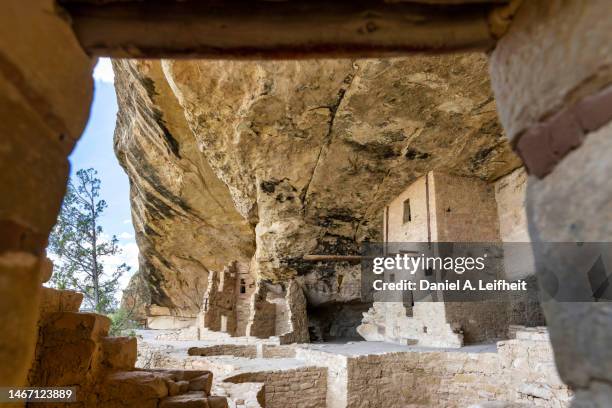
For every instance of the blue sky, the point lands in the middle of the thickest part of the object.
(95, 149)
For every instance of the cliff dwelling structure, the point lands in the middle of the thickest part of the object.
(266, 143)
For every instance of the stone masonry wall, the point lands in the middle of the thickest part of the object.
(237, 350)
(519, 262)
(298, 388)
(243, 300)
(219, 304)
(443, 208)
(415, 230)
(262, 318)
(522, 370)
(510, 196)
(74, 349)
(465, 209)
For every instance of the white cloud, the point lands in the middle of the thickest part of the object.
(125, 235)
(128, 221)
(104, 71)
(129, 256)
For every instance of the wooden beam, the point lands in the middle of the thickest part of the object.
(254, 29)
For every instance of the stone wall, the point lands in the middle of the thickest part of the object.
(510, 193)
(466, 211)
(463, 209)
(164, 318)
(297, 316)
(245, 287)
(219, 304)
(417, 229)
(262, 317)
(280, 351)
(236, 350)
(278, 310)
(297, 388)
(449, 208)
(440, 207)
(75, 350)
(520, 370)
(519, 262)
(227, 300)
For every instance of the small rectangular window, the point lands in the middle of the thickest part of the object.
(242, 286)
(407, 215)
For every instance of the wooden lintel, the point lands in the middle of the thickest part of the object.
(277, 29)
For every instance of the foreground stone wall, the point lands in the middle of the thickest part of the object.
(552, 78)
(45, 92)
(74, 349)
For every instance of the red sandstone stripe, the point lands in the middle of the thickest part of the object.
(547, 143)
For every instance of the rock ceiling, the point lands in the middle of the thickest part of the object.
(263, 162)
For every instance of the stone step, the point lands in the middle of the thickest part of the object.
(193, 399)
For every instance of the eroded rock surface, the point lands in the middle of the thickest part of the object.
(268, 161)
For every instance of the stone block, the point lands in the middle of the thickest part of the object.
(183, 386)
(66, 327)
(70, 301)
(66, 364)
(69, 353)
(54, 300)
(183, 375)
(173, 388)
(192, 399)
(133, 385)
(201, 383)
(119, 353)
(217, 402)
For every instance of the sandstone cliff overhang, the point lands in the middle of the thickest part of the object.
(264, 162)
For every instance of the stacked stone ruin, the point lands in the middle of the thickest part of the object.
(75, 350)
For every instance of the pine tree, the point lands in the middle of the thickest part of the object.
(79, 245)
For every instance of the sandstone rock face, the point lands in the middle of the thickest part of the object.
(184, 216)
(264, 162)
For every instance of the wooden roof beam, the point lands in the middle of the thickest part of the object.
(277, 29)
